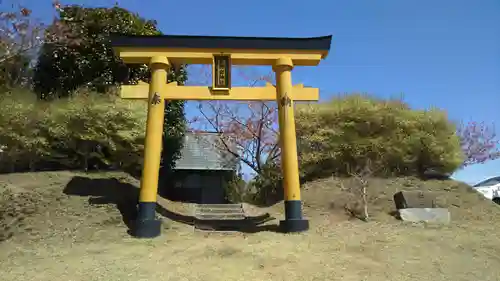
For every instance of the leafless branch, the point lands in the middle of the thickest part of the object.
(361, 175)
(251, 131)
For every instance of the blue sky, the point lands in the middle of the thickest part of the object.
(443, 53)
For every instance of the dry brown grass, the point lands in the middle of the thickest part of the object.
(69, 239)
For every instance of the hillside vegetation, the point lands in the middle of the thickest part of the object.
(84, 131)
(340, 135)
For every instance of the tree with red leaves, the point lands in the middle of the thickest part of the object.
(479, 143)
(248, 130)
(20, 36)
(18, 33)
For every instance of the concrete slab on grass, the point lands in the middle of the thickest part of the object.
(432, 215)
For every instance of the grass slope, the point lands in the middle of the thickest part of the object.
(69, 226)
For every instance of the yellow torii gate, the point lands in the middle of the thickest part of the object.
(161, 52)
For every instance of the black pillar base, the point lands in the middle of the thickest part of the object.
(146, 225)
(294, 226)
(147, 228)
(293, 218)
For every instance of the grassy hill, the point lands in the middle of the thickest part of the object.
(71, 226)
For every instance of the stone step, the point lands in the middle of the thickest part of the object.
(219, 212)
(219, 206)
(220, 217)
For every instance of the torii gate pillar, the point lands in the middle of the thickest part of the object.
(146, 225)
(293, 221)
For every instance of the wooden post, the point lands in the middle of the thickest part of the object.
(293, 205)
(147, 225)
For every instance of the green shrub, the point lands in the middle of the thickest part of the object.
(105, 129)
(235, 190)
(78, 132)
(341, 134)
(267, 187)
(22, 137)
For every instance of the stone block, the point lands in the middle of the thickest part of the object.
(414, 199)
(431, 215)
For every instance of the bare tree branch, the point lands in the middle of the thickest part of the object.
(251, 131)
(361, 175)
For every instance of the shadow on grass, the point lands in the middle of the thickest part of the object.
(107, 191)
(125, 197)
